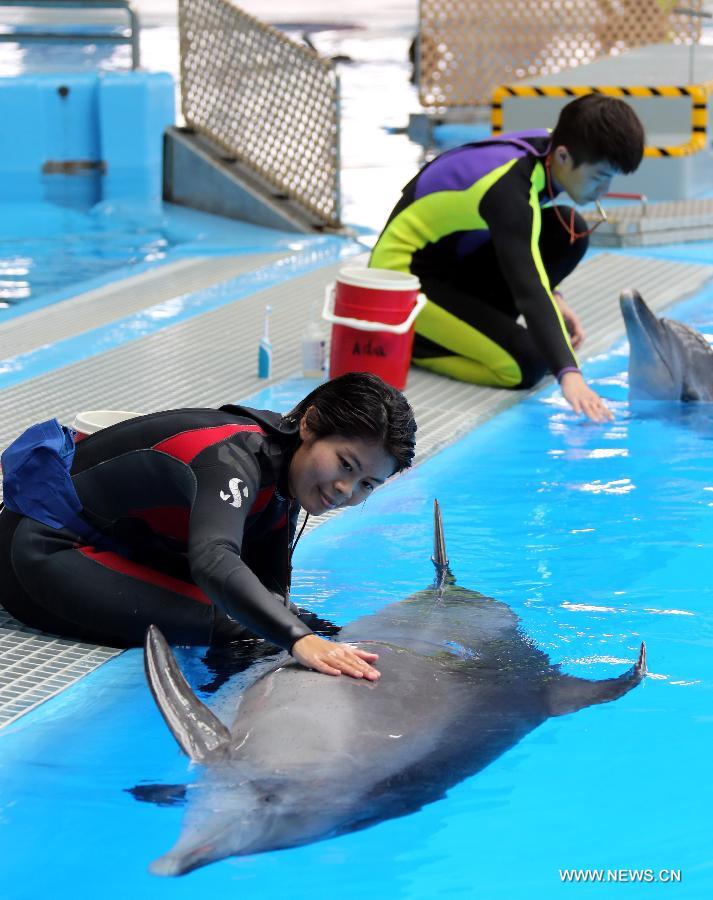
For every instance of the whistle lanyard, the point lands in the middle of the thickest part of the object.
(291, 550)
(570, 229)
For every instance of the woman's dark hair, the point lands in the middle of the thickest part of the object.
(598, 128)
(360, 405)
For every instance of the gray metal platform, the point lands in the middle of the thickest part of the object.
(211, 360)
(645, 224)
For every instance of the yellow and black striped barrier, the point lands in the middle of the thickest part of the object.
(698, 94)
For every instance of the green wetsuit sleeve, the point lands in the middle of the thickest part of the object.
(511, 210)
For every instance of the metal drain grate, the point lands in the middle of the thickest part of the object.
(35, 667)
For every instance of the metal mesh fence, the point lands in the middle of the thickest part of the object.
(467, 48)
(266, 100)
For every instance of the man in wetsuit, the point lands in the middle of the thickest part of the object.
(195, 511)
(471, 226)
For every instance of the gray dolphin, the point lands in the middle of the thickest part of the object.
(311, 756)
(667, 359)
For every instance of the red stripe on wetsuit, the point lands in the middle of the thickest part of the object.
(188, 444)
(125, 566)
(170, 521)
(185, 447)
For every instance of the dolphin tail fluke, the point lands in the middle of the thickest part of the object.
(567, 694)
(198, 731)
(440, 558)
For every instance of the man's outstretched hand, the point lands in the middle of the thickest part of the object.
(583, 399)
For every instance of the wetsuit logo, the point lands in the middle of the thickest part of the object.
(238, 489)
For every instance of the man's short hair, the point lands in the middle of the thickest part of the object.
(597, 128)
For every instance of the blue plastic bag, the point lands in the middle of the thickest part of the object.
(37, 482)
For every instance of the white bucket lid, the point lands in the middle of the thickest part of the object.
(92, 420)
(378, 279)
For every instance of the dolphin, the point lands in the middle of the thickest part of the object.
(311, 756)
(667, 360)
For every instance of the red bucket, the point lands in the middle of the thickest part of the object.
(372, 312)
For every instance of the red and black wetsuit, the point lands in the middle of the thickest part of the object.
(196, 503)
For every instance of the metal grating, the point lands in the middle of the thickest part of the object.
(265, 99)
(466, 48)
(151, 373)
(122, 298)
(35, 667)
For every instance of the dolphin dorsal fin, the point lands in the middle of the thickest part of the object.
(440, 557)
(198, 731)
(567, 694)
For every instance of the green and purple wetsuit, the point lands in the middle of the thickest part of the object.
(471, 226)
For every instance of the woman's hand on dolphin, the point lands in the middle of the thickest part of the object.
(571, 321)
(332, 658)
(583, 399)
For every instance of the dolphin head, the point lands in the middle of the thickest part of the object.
(667, 360)
(234, 816)
(655, 360)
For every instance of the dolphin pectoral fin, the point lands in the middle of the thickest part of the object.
(567, 694)
(160, 794)
(198, 731)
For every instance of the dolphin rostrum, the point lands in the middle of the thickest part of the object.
(311, 756)
(667, 360)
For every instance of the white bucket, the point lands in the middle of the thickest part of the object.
(92, 420)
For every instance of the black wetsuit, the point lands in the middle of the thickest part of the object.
(196, 509)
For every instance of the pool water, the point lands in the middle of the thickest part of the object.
(81, 248)
(598, 536)
(54, 252)
(49, 253)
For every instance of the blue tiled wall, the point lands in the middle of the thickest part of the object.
(114, 118)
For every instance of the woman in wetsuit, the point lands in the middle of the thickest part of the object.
(197, 511)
